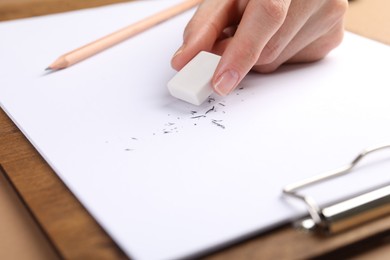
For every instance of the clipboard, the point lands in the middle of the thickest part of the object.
(13, 170)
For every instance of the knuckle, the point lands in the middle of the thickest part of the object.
(213, 28)
(248, 54)
(270, 52)
(328, 43)
(337, 8)
(276, 10)
(340, 6)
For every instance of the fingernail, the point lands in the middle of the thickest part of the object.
(226, 82)
(179, 51)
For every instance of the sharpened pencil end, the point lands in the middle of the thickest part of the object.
(58, 64)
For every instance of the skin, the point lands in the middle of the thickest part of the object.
(261, 35)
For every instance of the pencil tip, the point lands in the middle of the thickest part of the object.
(48, 69)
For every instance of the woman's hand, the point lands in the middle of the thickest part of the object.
(261, 35)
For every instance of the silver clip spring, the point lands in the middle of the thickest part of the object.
(344, 214)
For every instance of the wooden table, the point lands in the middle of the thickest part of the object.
(71, 233)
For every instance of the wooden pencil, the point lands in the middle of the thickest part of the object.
(114, 38)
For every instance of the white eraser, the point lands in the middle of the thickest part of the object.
(193, 82)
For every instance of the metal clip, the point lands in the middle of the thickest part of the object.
(344, 214)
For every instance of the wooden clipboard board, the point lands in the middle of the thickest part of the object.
(75, 234)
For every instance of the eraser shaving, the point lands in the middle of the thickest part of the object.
(193, 82)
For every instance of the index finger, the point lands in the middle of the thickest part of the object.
(260, 21)
(207, 24)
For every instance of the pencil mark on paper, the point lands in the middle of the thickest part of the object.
(218, 123)
(211, 109)
(194, 117)
(214, 111)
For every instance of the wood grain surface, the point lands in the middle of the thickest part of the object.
(20, 237)
(76, 235)
(15, 9)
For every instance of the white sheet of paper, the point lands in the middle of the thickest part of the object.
(163, 183)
